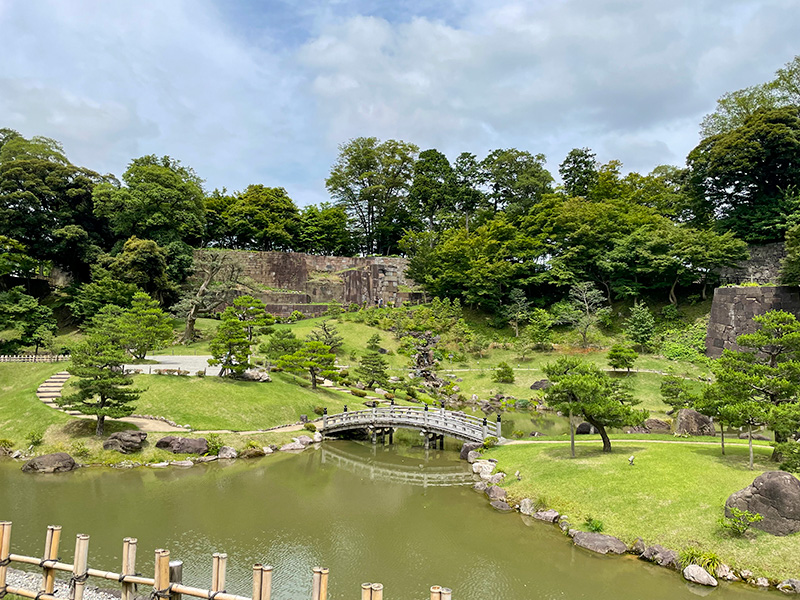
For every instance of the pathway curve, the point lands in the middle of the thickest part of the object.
(51, 389)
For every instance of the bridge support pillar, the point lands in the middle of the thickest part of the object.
(374, 437)
(441, 442)
(391, 436)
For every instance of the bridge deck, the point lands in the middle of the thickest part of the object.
(439, 421)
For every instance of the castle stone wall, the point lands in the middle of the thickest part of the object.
(762, 267)
(733, 309)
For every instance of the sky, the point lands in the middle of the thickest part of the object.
(265, 92)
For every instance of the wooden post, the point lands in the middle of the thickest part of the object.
(219, 564)
(366, 591)
(447, 594)
(323, 584)
(436, 592)
(128, 566)
(257, 577)
(377, 591)
(50, 553)
(161, 576)
(266, 582)
(5, 550)
(175, 576)
(316, 580)
(80, 567)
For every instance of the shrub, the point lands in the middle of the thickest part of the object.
(739, 521)
(201, 373)
(79, 450)
(389, 396)
(319, 410)
(214, 444)
(6, 444)
(295, 316)
(358, 393)
(504, 373)
(517, 434)
(252, 445)
(523, 404)
(790, 456)
(310, 427)
(592, 524)
(353, 307)
(489, 442)
(411, 392)
(35, 437)
(693, 555)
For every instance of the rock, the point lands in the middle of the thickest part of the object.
(497, 478)
(599, 542)
(726, 573)
(697, 574)
(480, 486)
(637, 547)
(564, 525)
(692, 422)
(473, 456)
(159, 465)
(468, 447)
(303, 439)
(252, 453)
(359, 386)
(746, 574)
(789, 586)
(474, 398)
(182, 463)
(584, 429)
(205, 459)
(549, 515)
(762, 582)
(526, 506)
(125, 442)
(317, 437)
(571, 532)
(226, 452)
(501, 506)
(16, 454)
(775, 495)
(180, 445)
(541, 384)
(657, 426)
(383, 351)
(534, 434)
(304, 419)
(60, 462)
(756, 436)
(483, 468)
(662, 556)
(380, 392)
(495, 493)
(269, 449)
(260, 376)
(292, 446)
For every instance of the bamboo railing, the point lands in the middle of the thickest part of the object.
(167, 575)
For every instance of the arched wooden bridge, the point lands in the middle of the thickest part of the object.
(432, 422)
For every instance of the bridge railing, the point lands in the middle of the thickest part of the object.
(422, 418)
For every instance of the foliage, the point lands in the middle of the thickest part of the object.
(640, 326)
(313, 357)
(253, 315)
(29, 323)
(215, 444)
(374, 343)
(143, 263)
(489, 442)
(230, 347)
(281, 342)
(371, 370)
(594, 525)
(739, 521)
(790, 456)
(144, 326)
(327, 334)
(358, 393)
(692, 555)
(504, 373)
(35, 437)
(517, 310)
(104, 289)
(310, 427)
(621, 357)
(103, 388)
(537, 334)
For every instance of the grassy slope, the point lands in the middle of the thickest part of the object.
(672, 496)
(20, 410)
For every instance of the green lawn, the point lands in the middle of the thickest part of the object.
(674, 495)
(20, 410)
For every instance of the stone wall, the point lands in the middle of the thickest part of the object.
(763, 266)
(733, 309)
(302, 281)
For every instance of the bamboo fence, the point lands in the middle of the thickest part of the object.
(166, 582)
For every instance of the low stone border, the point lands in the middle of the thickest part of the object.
(487, 483)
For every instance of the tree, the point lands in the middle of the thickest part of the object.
(102, 385)
(579, 172)
(162, 201)
(640, 326)
(14, 259)
(28, 322)
(144, 326)
(504, 373)
(230, 347)
(581, 388)
(144, 263)
(315, 358)
(253, 315)
(102, 290)
(469, 177)
(369, 180)
(517, 179)
(537, 333)
(621, 357)
(280, 343)
(325, 230)
(433, 190)
(215, 278)
(588, 302)
(372, 370)
(517, 310)
(374, 342)
(327, 334)
(263, 218)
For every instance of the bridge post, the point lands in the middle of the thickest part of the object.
(324, 417)
(345, 408)
(484, 428)
(391, 435)
(498, 431)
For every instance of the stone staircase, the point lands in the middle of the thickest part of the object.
(51, 389)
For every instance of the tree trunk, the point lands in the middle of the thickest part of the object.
(722, 436)
(602, 431)
(571, 433)
(673, 299)
(313, 379)
(189, 331)
(750, 443)
(100, 425)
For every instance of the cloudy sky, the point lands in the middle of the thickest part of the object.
(264, 91)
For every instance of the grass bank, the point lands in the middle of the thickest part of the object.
(21, 412)
(674, 495)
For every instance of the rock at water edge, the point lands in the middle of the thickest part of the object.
(697, 574)
(599, 542)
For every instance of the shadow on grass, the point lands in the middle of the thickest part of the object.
(83, 428)
(585, 451)
(737, 457)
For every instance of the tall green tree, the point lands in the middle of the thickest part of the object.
(263, 218)
(26, 321)
(144, 264)
(314, 358)
(517, 179)
(280, 343)
(325, 230)
(579, 172)
(144, 326)
(640, 325)
(371, 370)
(230, 348)
(253, 314)
(103, 388)
(327, 334)
(580, 388)
(433, 190)
(517, 310)
(102, 290)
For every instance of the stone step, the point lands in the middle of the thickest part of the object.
(51, 386)
(47, 396)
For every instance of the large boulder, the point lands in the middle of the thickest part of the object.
(549, 515)
(775, 495)
(501, 506)
(59, 462)
(692, 422)
(584, 429)
(228, 453)
(467, 448)
(657, 426)
(125, 442)
(495, 493)
(599, 542)
(662, 556)
(789, 586)
(697, 574)
(756, 436)
(180, 445)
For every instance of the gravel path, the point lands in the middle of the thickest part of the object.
(33, 582)
(193, 364)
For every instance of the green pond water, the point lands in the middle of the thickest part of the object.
(391, 515)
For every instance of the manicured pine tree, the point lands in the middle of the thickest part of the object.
(372, 370)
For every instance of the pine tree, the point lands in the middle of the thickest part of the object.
(372, 370)
(621, 357)
(374, 342)
(144, 326)
(327, 334)
(230, 346)
(315, 358)
(102, 385)
(640, 326)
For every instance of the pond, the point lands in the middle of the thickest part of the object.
(393, 515)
